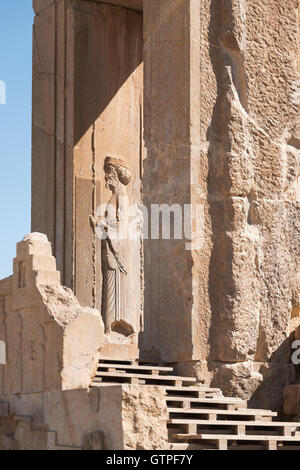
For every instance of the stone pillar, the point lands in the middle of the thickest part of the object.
(177, 307)
(222, 130)
(53, 130)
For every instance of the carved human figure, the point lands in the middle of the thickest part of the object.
(118, 301)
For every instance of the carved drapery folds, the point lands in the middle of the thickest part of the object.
(118, 302)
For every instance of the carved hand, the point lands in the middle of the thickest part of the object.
(96, 221)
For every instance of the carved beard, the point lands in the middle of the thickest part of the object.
(111, 180)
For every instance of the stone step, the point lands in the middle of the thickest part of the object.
(154, 370)
(133, 362)
(215, 400)
(179, 446)
(222, 422)
(286, 428)
(106, 384)
(212, 413)
(46, 440)
(212, 403)
(200, 392)
(222, 440)
(235, 445)
(186, 391)
(135, 378)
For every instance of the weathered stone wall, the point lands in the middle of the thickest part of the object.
(52, 343)
(222, 129)
(120, 417)
(252, 190)
(144, 418)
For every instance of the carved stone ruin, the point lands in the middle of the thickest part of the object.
(186, 103)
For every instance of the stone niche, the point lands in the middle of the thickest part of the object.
(87, 105)
(52, 343)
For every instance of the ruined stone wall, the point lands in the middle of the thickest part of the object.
(253, 193)
(119, 417)
(52, 343)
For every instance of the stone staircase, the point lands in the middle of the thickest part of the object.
(201, 418)
(15, 429)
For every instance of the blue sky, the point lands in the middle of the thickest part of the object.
(16, 18)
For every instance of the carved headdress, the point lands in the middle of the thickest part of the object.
(116, 161)
(121, 167)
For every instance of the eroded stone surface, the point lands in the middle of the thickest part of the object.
(51, 341)
(144, 414)
(237, 153)
(118, 417)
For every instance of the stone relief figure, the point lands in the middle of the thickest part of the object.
(118, 300)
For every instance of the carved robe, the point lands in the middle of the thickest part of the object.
(118, 299)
